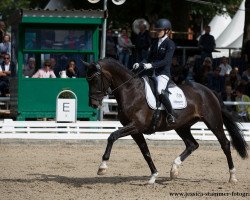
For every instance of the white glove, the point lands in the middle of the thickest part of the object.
(147, 65)
(136, 66)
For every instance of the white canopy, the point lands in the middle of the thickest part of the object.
(55, 4)
(232, 34)
(218, 24)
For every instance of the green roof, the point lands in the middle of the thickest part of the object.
(62, 16)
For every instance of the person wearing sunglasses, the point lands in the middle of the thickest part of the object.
(45, 72)
(7, 70)
(5, 46)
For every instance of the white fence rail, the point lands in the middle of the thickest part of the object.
(92, 130)
(112, 102)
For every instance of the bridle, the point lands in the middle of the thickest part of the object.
(100, 93)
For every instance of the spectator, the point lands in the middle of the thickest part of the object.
(246, 51)
(110, 45)
(71, 41)
(189, 71)
(245, 83)
(2, 30)
(234, 78)
(242, 110)
(30, 68)
(176, 71)
(45, 72)
(246, 73)
(72, 70)
(206, 44)
(142, 43)
(225, 69)
(214, 81)
(124, 47)
(55, 67)
(5, 46)
(204, 72)
(85, 40)
(47, 38)
(7, 70)
(229, 95)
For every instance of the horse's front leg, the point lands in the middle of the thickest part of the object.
(142, 144)
(124, 131)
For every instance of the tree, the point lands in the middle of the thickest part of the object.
(7, 7)
(182, 13)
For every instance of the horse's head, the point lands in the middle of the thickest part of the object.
(98, 84)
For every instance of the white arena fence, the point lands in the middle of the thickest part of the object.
(92, 130)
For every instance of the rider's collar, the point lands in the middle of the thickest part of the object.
(162, 39)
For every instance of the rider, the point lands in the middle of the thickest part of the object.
(160, 59)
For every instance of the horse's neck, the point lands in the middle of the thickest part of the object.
(123, 81)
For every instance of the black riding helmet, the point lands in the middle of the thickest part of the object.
(163, 24)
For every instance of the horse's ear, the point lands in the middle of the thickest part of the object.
(85, 63)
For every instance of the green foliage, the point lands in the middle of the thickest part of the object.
(216, 7)
(8, 6)
(66, 95)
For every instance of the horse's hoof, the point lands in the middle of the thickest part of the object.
(173, 175)
(233, 180)
(152, 178)
(102, 171)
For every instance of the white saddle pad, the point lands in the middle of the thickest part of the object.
(177, 97)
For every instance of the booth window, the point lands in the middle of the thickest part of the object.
(60, 45)
(59, 61)
(48, 39)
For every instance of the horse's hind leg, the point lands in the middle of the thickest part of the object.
(191, 145)
(218, 131)
(141, 142)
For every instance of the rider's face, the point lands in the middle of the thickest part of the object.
(160, 33)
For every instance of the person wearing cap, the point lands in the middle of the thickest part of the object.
(45, 72)
(159, 61)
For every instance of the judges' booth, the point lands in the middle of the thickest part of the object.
(60, 36)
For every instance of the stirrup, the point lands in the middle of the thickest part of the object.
(171, 119)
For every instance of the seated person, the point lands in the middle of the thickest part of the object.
(55, 67)
(45, 72)
(215, 82)
(229, 95)
(30, 68)
(242, 110)
(72, 70)
(7, 70)
(176, 71)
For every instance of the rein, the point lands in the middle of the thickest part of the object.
(126, 81)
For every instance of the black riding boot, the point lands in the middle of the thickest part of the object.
(166, 102)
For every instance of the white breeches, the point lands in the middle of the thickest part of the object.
(162, 82)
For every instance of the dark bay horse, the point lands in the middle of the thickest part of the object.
(135, 115)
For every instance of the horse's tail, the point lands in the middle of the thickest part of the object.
(235, 133)
(233, 129)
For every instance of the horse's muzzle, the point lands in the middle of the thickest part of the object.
(95, 103)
